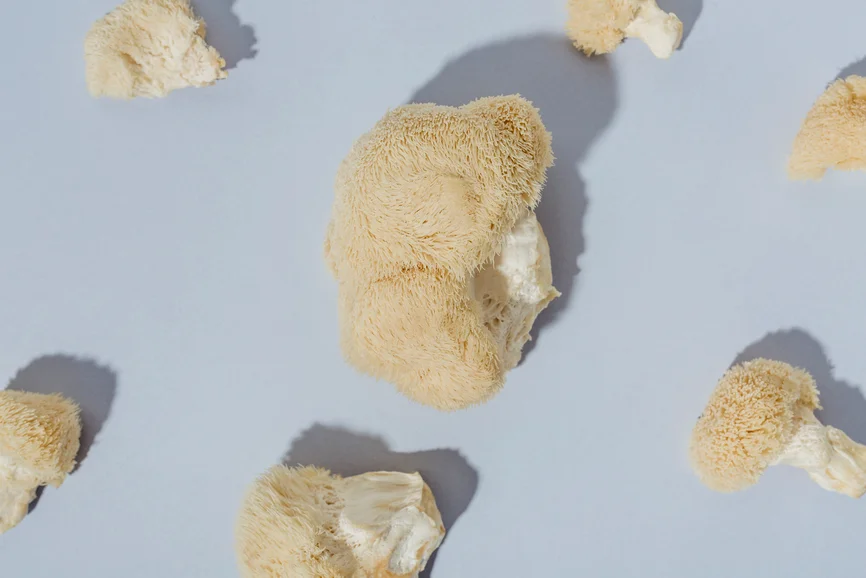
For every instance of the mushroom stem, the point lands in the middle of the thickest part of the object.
(661, 31)
(845, 471)
(391, 522)
(15, 498)
(832, 459)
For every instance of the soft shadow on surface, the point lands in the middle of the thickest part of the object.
(233, 40)
(577, 98)
(844, 404)
(35, 501)
(91, 385)
(450, 477)
(856, 68)
(688, 11)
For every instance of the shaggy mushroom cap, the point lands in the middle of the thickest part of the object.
(149, 48)
(599, 26)
(39, 439)
(833, 135)
(748, 422)
(441, 264)
(307, 523)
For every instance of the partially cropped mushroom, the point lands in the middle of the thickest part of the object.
(833, 135)
(149, 48)
(599, 26)
(39, 439)
(442, 265)
(307, 522)
(761, 415)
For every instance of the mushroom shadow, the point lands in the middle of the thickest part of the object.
(844, 404)
(577, 99)
(450, 477)
(91, 385)
(688, 11)
(233, 40)
(856, 68)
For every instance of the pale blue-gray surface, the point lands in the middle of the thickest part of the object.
(169, 253)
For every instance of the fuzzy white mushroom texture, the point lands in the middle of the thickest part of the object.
(832, 459)
(39, 438)
(515, 287)
(148, 48)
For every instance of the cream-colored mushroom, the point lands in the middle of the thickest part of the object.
(39, 439)
(762, 414)
(833, 134)
(426, 200)
(599, 26)
(149, 48)
(307, 522)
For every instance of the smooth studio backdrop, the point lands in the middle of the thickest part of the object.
(162, 263)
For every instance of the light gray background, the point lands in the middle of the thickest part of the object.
(161, 262)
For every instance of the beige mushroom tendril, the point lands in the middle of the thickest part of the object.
(307, 523)
(39, 439)
(599, 26)
(833, 135)
(761, 415)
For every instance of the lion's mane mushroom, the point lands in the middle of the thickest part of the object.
(307, 523)
(760, 415)
(441, 264)
(39, 439)
(599, 26)
(149, 48)
(833, 135)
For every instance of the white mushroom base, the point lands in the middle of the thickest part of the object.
(390, 521)
(515, 287)
(832, 459)
(17, 490)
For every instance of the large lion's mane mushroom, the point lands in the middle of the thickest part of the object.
(441, 263)
(308, 523)
(760, 415)
(833, 135)
(599, 26)
(39, 439)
